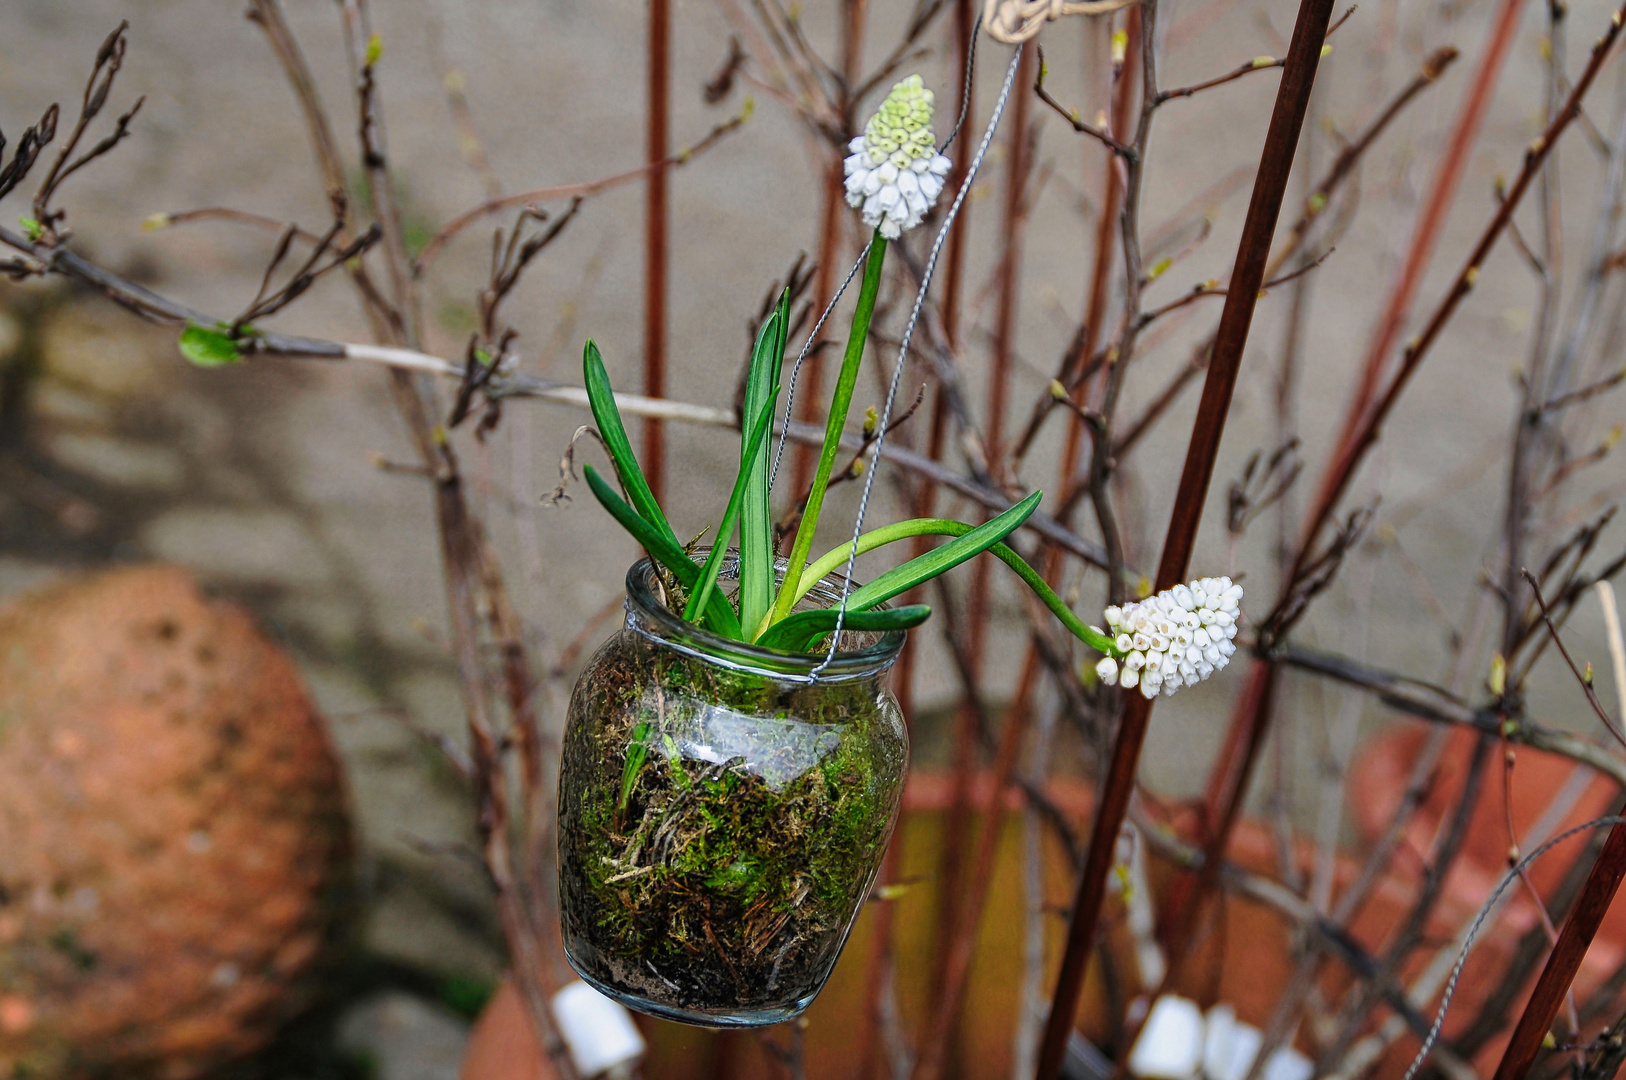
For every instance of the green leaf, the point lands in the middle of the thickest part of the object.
(637, 754)
(674, 762)
(31, 228)
(901, 579)
(901, 530)
(602, 400)
(839, 404)
(375, 50)
(756, 517)
(669, 553)
(755, 439)
(801, 631)
(209, 348)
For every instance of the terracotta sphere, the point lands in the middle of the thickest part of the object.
(174, 835)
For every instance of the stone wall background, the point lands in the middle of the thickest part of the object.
(262, 478)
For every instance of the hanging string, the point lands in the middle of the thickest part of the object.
(1473, 930)
(903, 350)
(807, 346)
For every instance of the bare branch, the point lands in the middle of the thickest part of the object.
(582, 190)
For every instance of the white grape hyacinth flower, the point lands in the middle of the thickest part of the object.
(1177, 638)
(895, 173)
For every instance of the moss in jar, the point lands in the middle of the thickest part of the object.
(722, 827)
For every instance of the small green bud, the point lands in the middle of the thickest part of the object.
(208, 347)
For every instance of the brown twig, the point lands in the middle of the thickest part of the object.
(1586, 683)
(963, 907)
(1270, 187)
(1423, 239)
(585, 189)
(1228, 780)
(109, 59)
(1071, 115)
(225, 213)
(657, 126)
(1565, 959)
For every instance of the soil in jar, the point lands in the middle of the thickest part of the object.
(720, 829)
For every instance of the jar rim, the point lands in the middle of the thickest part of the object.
(644, 601)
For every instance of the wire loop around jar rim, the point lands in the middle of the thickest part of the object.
(650, 617)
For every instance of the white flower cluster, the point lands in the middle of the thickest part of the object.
(895, 172)
(1177, 638)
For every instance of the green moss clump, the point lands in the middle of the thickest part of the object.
(719, 830)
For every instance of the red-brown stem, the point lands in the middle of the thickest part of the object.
(1565, 958)
(968, 916)
(832, 215)
(1106, 232)
(1226, 784)
(942, 1025)
(1270, 186)
(658, 133)
(1443, 193)
(957, 827)
(1371, 426)
(1016, 183)
(1233, 766)
(953, 287)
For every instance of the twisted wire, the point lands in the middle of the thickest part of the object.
(1473, 930)
(903, 348)
(807, 346)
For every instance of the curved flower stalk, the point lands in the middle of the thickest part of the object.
(1177, 638)
(895, 173)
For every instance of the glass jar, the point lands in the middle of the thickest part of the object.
(722, 812)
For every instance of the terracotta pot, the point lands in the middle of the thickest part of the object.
(502, 1047)
(1546, 789)
(1243, 956)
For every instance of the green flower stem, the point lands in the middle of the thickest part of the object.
(836, 558)
(839, 404)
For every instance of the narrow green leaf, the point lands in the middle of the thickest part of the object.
(602, 400)
(674, 762)
(839, 404)
(943, 527)
(719, 616)
(756, 517)
(701, 596)
(208, 348)
(637, 754)
(802, 630)
(925, 567)
(902, 530)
